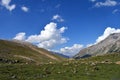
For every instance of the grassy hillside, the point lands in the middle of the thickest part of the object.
(12, 52)
(94, 68)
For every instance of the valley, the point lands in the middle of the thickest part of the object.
(24, 61)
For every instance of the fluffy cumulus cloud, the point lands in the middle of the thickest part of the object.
(106, 33)
(48, 38)
(57, 18)
(20, 36)
(71, 51)
(24, 8)
(107, 3)
(6, 4)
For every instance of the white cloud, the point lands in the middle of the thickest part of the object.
(20, 36)
(25, 9)
(48, 38)
(106, 33)
(51, 43)
(89, 45)
(107, 3)
(6, 4)
(116, 11)
(58, 18)
(71, 51)
(92, 0)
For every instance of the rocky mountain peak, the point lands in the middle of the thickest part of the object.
(109, 45)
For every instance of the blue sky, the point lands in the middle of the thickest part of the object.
(76, 23)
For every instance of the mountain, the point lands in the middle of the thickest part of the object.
(109, 45)
(60, 54)
(15, 51)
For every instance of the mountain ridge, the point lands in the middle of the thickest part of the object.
(109, 45)
(24, 52)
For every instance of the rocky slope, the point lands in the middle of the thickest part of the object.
(110, 45)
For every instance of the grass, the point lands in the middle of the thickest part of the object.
(83, 69)
(113, 57)
(60, 72)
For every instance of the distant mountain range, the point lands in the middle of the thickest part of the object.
(60, 54)
(110, 45)
(24, 52)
